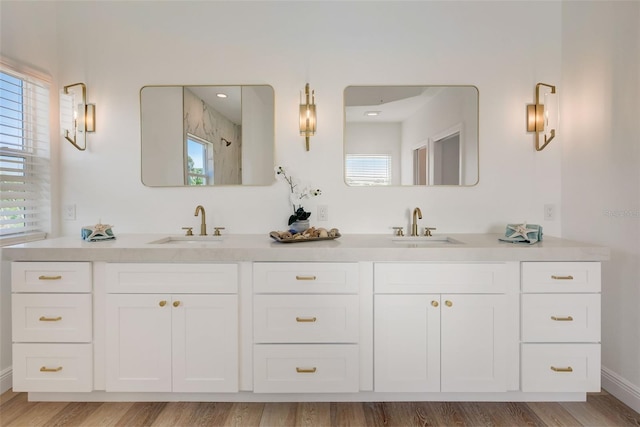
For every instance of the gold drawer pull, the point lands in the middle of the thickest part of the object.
(49, 277)
(562, 319)
(567, 369)
(50, 319)
(176, 303)
(45, 369)
(562, 277)
(306, 370)
(434, 303)
(305, 319)
(162, 303)
(448, 303)
(305, 277)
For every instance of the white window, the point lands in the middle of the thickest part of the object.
(25, 205)
(199, 165)
(368, 169)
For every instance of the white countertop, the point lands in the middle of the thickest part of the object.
(258, 247)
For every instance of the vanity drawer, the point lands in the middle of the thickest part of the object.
(305, 368)
(138, 278)
(424, 278)
(560, 367)
(51, 276)
(561, 317)
(51, 317)
(563, 277)
(52, 367)
(305, 318)
(305, 277)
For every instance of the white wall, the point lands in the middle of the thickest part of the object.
(118, 47)
(600, 96)
(126, 45)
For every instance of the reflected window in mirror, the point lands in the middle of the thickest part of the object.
(368, 169)
(200, 163)
(413, 125)
(238, 130)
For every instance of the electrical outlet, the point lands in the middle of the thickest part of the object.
(550, 212)
(323, 213)
(69, 212)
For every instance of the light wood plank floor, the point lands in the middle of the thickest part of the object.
(600, 409)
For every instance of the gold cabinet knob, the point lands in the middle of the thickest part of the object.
(162, 303)
(448, 303)
(434, 303)
(176, 303)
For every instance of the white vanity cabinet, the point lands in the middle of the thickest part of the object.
(172, 327)
(305, 327)
(443, 327)
(560, 326)
(52, 326)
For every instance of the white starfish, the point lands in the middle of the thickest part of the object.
(99, 230)
(521, 230)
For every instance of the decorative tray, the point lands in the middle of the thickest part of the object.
(274, 235)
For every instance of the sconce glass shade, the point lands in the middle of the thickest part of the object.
(542, 117)
(76, 116)
(308, 122)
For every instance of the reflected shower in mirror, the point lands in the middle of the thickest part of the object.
(411, 135)
(207, 135)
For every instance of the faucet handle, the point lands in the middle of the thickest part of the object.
(427, 231)
(189, 231)
(399, 231)
(216, 231)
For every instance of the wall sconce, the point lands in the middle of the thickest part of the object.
(76, 116)
(540, 118)
(308, 115)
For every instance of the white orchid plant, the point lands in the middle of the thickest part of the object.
(299, 193)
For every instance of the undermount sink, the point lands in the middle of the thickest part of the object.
(187, 240)
(417, 241)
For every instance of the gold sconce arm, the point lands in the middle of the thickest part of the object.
(537, 118)
(76, 116)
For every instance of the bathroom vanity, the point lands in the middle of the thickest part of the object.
(359, 318)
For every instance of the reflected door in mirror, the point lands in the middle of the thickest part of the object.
(428, 134)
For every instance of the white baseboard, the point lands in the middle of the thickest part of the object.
(622, 389)
(6, 379)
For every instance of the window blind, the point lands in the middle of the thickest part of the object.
(25, 203)
(368, 169)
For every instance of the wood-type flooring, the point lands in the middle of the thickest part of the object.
(600, 409)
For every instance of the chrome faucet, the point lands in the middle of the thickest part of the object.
(414, 225)
(203, 223)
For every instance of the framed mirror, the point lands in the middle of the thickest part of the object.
(207, 135)
(411, 135)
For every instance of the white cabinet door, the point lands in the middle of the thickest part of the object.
(138, 341)
(407, 343)
(473, 356)
(205, 343)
